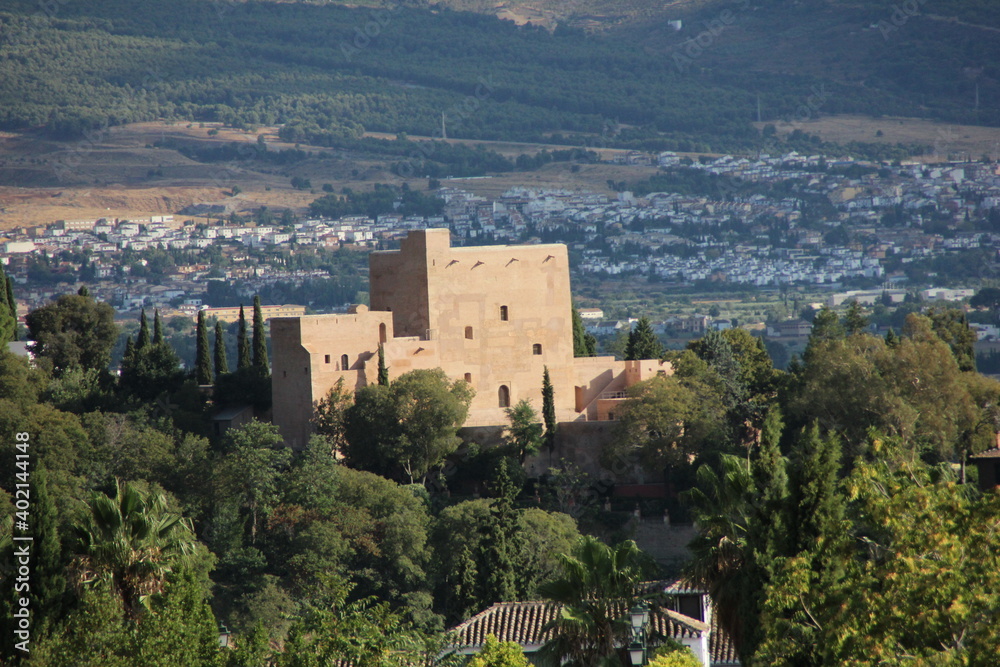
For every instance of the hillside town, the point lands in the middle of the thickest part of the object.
(771, 222)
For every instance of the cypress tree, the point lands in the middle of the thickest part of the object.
(548, 412)
(221, 363)
(891, 339)
(203, 363)
(854, 320)
(259, 339)
(383, 371)
(642, 342)
(501, 542)
(157, 328)
(143, 340)
(128, 358)
(83, 291)
(584, 345)
(819, 505)
(11, 302)
(242, 344)
(47, 575)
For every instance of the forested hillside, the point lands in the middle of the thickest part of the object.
(339, 70)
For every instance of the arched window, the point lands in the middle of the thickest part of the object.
(381, 333)
(468, 378)
(468, 332)
(345, 362)
(504, 396)
(536, 348)
(503, 313)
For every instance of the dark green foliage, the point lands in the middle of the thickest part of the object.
(48, 585)
(548, 412)
(383, 199)
(383, 371)
(8, 310)
(642, 342)
(405, 430)
(75, 331)
(584, 344)
(150, 370)
(221, 363)
(243, 358)
(260, 361)
(143, 339)
(157, 328)
(952, 326)
(203, 360)
(500, 564)
(854, 320)
(524, 435)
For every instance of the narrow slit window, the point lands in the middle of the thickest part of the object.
(468, 333)
(503, 313)
(326, 358)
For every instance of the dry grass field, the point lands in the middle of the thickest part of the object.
(947, 140)
(120, 174)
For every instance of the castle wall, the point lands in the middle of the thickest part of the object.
(495, 316)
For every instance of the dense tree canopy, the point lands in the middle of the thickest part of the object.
(75, 331)
(406, 429)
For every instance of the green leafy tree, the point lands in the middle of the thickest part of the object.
(243, 358)
(132, 542)
(260, 361)
(251, 469)
(496, 653)
(523, 437)
(952, 326)
(584, 344)
(364, 632)
(221, 363)
(826, 326)
(203, 361)
(407, 429)
(75, 331)
(330, 414)
(643, 343)
(665, 423)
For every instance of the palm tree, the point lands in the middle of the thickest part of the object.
(131, 542)
(740, 513)
(599, 583)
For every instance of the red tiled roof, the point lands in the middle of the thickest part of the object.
(988, 454)
(524, 623)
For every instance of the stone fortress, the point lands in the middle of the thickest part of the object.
(493, 316)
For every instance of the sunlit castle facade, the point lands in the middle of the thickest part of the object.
(492, 316)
